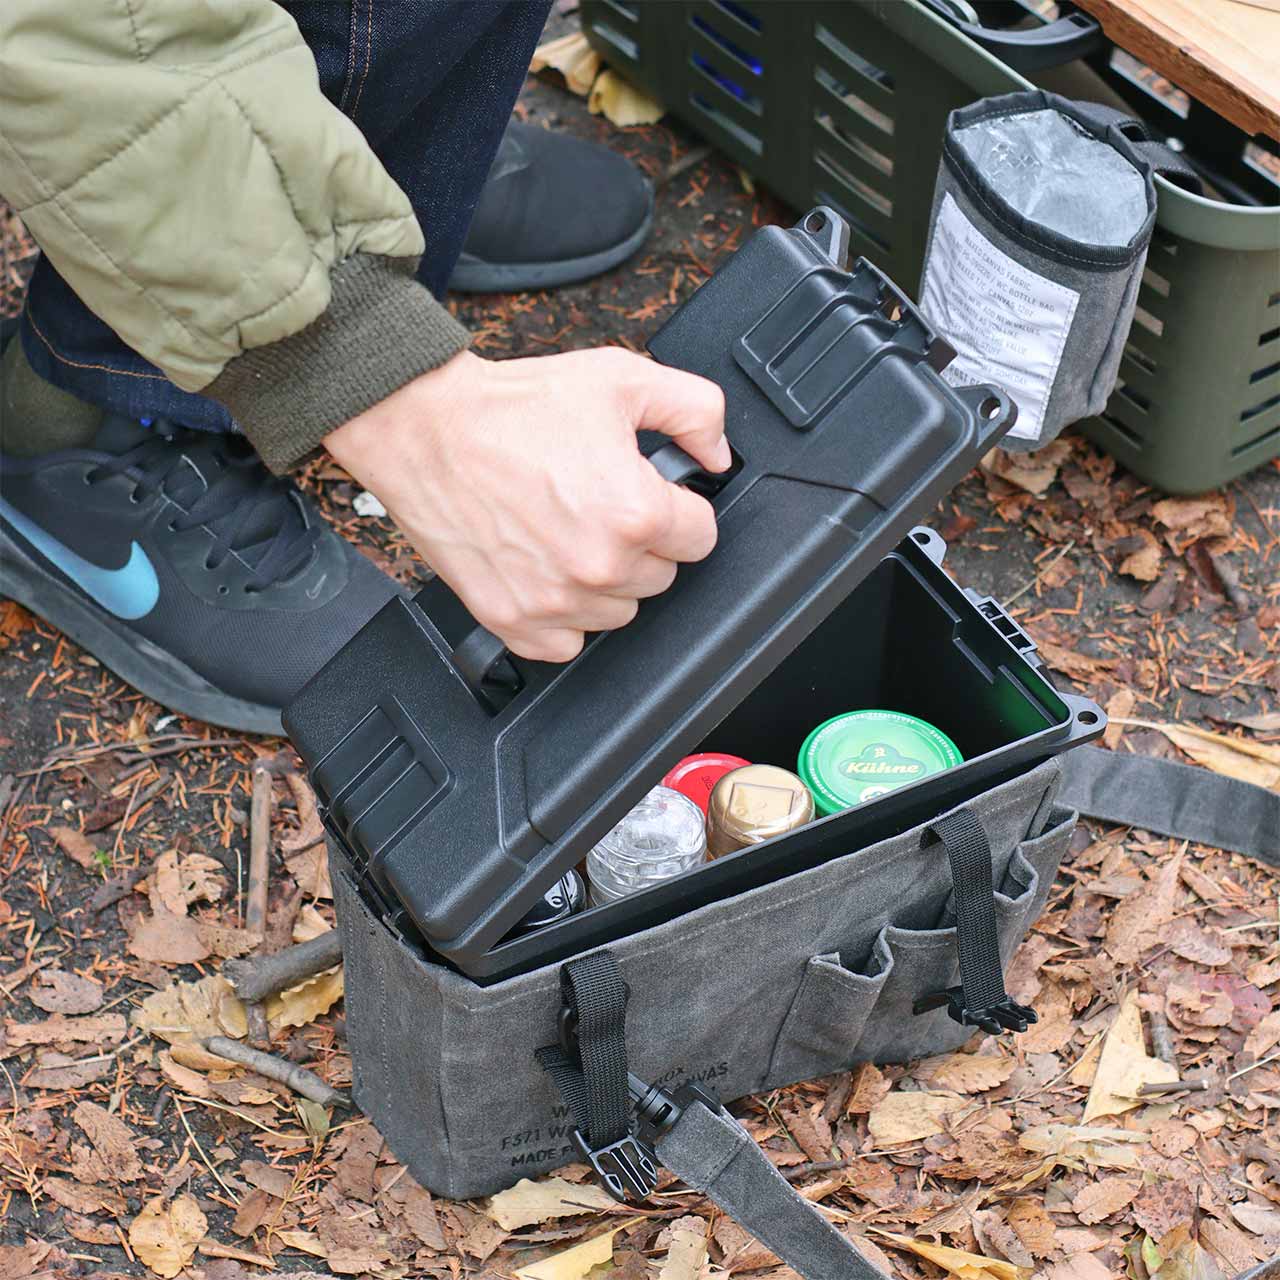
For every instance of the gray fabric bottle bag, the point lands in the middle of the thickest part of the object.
(1042, 217)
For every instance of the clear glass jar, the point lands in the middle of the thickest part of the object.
(661, 838)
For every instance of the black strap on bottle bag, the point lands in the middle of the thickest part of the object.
(980, 1000)
(688, 1131)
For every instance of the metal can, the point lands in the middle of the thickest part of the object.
(853, 758)
(754, 804)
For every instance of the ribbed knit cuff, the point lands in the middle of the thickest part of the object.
(382, 329)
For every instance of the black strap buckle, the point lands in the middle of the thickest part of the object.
(1003, 1015)
(627, 1169)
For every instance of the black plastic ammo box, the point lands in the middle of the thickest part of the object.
(461, 783)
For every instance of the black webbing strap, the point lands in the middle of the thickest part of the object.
(980, 1000)
(595, 998)
(1179, 800)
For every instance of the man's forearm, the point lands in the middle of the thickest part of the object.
(181, 168)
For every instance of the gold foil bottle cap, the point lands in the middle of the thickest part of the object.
(754, 804)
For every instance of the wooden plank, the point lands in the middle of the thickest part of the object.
(1224, 53)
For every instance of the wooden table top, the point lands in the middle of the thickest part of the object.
(1224, 53)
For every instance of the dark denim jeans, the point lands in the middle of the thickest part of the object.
(431, 83)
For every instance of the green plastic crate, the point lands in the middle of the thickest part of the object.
(843, 102)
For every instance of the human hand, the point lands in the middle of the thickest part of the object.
(520, 482)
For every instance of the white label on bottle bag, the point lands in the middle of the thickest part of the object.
(1007, 324)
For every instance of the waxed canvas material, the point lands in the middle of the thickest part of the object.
(790, 981)
(1106, 278)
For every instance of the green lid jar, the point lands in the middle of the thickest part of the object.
(855, 757)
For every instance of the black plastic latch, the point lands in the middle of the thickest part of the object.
(1003, 1015)
(627, 1169)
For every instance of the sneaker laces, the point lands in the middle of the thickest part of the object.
(219, 483)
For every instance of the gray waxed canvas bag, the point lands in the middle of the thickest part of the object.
(793, 980)
(1042, 217)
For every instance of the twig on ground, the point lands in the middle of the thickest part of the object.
(1162, 1038)
(1173, 1086)
(263, 976)
(297, 1078)
(195, 1142)
(1230, 580)
(255, 919)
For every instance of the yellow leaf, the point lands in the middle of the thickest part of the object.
(622, 103)
(573, 58)
(1255, 762)
(190, 1011)
(956, 1262)
(529, 1203)
(303, 1241)
(183, 1078)
(1124, 1066)
(306, 1002)
(164, 1237)
(965, 1072)
(686, 1251)
(906, 1117)
(1077, 1145)
(573, 1263)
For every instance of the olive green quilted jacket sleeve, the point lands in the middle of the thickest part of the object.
(179, 165)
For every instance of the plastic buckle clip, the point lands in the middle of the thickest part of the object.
(627, 1169)
(1002, 1015)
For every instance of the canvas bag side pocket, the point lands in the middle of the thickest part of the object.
(1042, 217)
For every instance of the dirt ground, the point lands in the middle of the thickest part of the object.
(125, 844)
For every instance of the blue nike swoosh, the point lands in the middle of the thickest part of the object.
(129, 592)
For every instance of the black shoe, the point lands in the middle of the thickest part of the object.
(185, 567)
(554, 210)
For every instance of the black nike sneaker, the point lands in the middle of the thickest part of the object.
(182, 564)
(554, 210)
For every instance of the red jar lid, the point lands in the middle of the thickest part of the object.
(696, 776)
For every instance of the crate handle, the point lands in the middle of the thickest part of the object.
(1072, 36)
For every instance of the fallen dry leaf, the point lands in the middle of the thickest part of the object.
(1138, 921)
(105, 1030)
(183, 1078)
(573, 58)
(907, 1117)
(1033, 1227)
(1195, 518)
(621, 103)
(179, 880)
(192, 1011)
(111, 1139)
(1254, 1217)
(1264, 1037)
(1076, 1146)
(529, 1202)
(686, 1249)
(56, 991)
(1099, 1200)
(966, 1072)
(573, 1263)
(1124, 1066)
(1241, 758)
(1186, 939)
(956, 1262)
(165, 1236)
(304, 1003)
(352, 1246)
(1144, 562)
(78, 847)
(1033, 472)
(303, 1241)
(165, 938)
(58, 1071)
